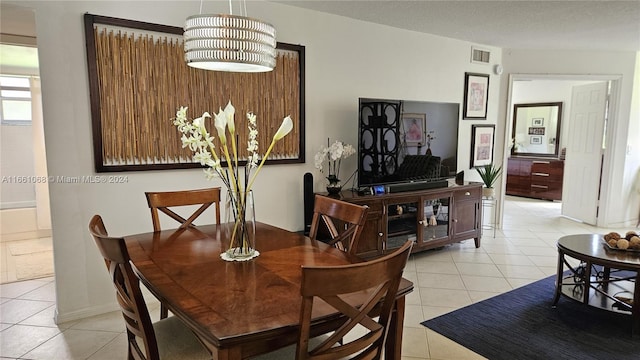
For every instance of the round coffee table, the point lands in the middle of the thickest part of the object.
(600, 287)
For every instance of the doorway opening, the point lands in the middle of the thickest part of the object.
(26, 247)
(576, 138)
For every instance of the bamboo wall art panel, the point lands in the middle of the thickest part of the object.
(138, 79)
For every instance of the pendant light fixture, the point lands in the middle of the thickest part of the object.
(227, 42)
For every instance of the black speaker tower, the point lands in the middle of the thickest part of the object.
(308, 198)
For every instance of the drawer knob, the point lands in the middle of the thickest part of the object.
(467, 193)
(380, 234)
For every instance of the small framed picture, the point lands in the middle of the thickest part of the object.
(536, 130)
(535, 140)
(476, 96)
(537, 122)
(413, 128)
(482, 144)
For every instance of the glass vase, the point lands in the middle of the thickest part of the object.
(240, 210)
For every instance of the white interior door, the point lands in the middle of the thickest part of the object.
(583, 162)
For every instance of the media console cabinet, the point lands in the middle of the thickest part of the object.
(431, 218)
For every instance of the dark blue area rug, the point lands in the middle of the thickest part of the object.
(521, 324)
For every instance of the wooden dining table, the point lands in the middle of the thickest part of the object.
(243, 309)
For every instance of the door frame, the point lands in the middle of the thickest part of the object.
(610, 131)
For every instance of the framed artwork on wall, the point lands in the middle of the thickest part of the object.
(537, 121)
(476, 96)
(535, 140)
(482, 137)
(138, 79)
(536, 130)
(414, 128)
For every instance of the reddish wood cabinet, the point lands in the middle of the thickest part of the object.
(535, 178)
(431, 218)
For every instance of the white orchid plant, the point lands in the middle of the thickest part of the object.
(197, 138)
(333, 155)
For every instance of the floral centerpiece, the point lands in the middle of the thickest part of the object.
(237, 181)
(333, 155)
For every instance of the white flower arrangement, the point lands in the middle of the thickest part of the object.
(199, 140)
(196, 137)
(333, 154)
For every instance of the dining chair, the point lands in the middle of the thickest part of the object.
(166, 339)
(330, 287)
(342, 221)
(162, 201)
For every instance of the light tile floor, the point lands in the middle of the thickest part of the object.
(445, 280)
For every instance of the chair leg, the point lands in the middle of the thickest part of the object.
(164, 312)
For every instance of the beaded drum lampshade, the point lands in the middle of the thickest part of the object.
(229, 43)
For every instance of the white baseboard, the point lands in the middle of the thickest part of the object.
(26, 235)
(150, 301)
(59, 318)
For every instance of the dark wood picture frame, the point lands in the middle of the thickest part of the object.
(148, 140)
(476, 96)
(535, 129)
(482, 143)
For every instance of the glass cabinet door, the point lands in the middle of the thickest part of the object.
(435, 219)
(401, 223)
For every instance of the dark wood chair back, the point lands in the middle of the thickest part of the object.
(162, 201)
(342, 221)
(380, 278)
(127, 285)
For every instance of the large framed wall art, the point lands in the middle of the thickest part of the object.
(138, 79)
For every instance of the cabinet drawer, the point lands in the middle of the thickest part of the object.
(540, 176)
(469, 194)
(540, 166)
(374, 206)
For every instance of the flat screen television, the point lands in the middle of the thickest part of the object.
(403, 141)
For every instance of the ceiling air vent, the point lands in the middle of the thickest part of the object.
(480, 56)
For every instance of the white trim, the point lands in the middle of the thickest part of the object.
(5, 205)
(85, 313)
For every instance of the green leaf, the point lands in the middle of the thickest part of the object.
(489, 174)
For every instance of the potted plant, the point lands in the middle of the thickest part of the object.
(489, 174)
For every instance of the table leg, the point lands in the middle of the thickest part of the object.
(635, 310)
(559, 271)
(393, 346)
(587, 282)
(606, 275)
(224, 354)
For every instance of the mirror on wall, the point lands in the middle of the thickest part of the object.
(536, 129)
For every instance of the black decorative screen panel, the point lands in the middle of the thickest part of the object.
(379, 140)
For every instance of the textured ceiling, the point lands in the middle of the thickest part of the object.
(576, 25)
(587, 25)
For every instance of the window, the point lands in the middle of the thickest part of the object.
(15, 100)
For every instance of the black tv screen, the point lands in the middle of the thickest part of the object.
(404, 141)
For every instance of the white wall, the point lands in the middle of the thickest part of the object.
(620, 168)
(16, 157)
(345, 59)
